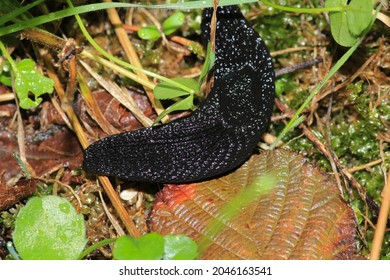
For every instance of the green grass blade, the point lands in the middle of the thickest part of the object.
(7, 17)
(101, 6)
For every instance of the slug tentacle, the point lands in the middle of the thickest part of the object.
(220, 135)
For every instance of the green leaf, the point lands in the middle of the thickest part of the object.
(184, 104)
(49, 228)
(173, 22)
(165, 90)
(179, 247)
(28, 80)
(346, 26)
(359, 16)
(338, 24)
(5, 73)
(149, 33)
(147, 247)
(208, 64)
(5, 80)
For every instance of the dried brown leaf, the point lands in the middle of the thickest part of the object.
(46, 152)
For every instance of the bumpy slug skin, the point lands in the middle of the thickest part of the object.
(220, 135)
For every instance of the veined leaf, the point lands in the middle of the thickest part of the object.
(302, 217)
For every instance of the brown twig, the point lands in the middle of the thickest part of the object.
(333, 156)
(293, 68)
(365, 166)
(213, 26)
(132, 55)
(21, 137)
(77, 128)
(382, 221)
(288, 50)
(344, 83)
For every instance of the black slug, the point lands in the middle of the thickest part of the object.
(220, 135)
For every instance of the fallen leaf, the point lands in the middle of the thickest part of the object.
(46, 152)
(302, 217)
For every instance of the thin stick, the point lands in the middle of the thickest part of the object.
(78, 129)
(7, 97)
(346, 82)
(213, 25)
(288, 50)
(21, 139)
(364, 166)
(112, 219)
(382, 220)
(132, 55)
(293, 68)
(116, 202)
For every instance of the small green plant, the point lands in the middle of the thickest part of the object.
(349, 19)
(154, 246)
(165, 90)
(350, 23)
(27, 80)
(170, 25)
(49, 228)
(343, 15)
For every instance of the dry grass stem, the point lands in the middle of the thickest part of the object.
(382, 221)
(131, 54)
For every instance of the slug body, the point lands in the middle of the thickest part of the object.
(220, 135)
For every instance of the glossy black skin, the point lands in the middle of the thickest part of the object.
(220, 135)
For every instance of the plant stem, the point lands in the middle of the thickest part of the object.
(96, 246)
(303, 10)
(125, 64)
(12, 251)
(382, 220)
(4, 51)
(117, 69)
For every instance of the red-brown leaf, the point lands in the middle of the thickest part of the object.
(303, 217)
